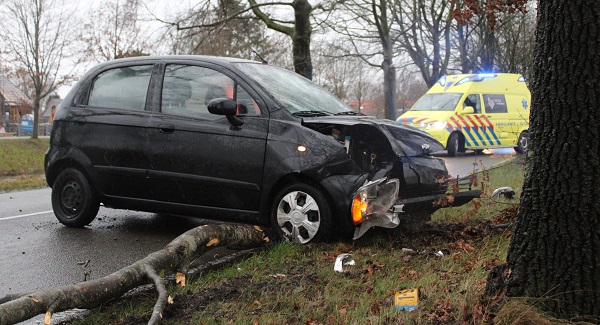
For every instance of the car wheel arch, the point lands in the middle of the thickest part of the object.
(58, 166)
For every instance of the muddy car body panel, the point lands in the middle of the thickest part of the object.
(227, 139)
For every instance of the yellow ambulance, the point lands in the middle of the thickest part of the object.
(474, 111)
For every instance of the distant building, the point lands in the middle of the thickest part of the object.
(47, 115)
(13, 102)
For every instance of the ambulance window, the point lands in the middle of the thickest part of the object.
(495, 104)
(473, 101)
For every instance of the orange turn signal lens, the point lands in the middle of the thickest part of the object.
(358, 208)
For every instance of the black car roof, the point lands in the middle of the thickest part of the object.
(203, 58)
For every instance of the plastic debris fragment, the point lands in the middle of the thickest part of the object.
(506, 192)
(341, 260)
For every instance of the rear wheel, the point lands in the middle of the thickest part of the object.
(453, 145)
(301, 214)
(73, 200)
(522, 143)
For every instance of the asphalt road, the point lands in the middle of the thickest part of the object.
(38, 252)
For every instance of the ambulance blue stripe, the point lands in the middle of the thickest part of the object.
(472, 137)
(467, 143)
(479, 135)
(486, 135)
(495, 136)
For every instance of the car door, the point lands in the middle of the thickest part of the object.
(496, 112)
(201, 159)
(111, 128)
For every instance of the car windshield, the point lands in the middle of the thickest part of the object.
(437, 102)
(297, 94)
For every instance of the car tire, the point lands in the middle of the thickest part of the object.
(453, 145)
(74, 201)
(522, 143)
(301, 214)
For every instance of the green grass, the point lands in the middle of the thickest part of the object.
(294, 284)
(22, 163)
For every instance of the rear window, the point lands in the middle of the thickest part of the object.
(124, 88)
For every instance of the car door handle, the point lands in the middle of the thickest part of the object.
(166, 129)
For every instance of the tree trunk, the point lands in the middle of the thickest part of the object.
(36, 117)
(175, 257)
(389, 89)
(555, 250)
(301, 39)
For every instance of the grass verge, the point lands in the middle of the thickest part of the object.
(296, 284)
(22, 164)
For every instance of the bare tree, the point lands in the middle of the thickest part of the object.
(345, 77)
(425, 29)
(516, 40)
(297, 27)
(240, 34)
(410, 89)
(113, 31)
(367, 24)
(36, 34)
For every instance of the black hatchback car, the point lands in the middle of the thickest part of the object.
(236, 140)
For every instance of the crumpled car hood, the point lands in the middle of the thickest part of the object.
(410, 141)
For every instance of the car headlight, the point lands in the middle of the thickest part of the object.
(438, 125)
(374, 198)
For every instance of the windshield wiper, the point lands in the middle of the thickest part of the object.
(311, 113)
(349, 113)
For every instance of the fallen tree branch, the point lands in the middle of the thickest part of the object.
(174, 258)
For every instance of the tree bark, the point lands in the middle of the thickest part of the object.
(300, 34)
(555, 250)
(175, 257)
(301, 38)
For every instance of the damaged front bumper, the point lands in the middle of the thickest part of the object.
(376, 204)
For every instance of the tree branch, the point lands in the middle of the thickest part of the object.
(173, 258)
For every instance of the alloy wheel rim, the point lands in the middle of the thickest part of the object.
(298, 217)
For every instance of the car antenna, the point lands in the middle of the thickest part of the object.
(261, 58)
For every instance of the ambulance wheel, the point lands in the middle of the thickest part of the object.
(453, 145)
(522, 143)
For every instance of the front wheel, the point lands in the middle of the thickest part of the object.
(522, 143)
(453, 145)
(73, 199)
(301, 214)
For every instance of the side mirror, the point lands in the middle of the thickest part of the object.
(468, 110)
(222, 106)
(227, 107)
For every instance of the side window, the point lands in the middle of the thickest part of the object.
(124, 88)
(246, 105)
(473, 101)
(187, 90)
(495, 104)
